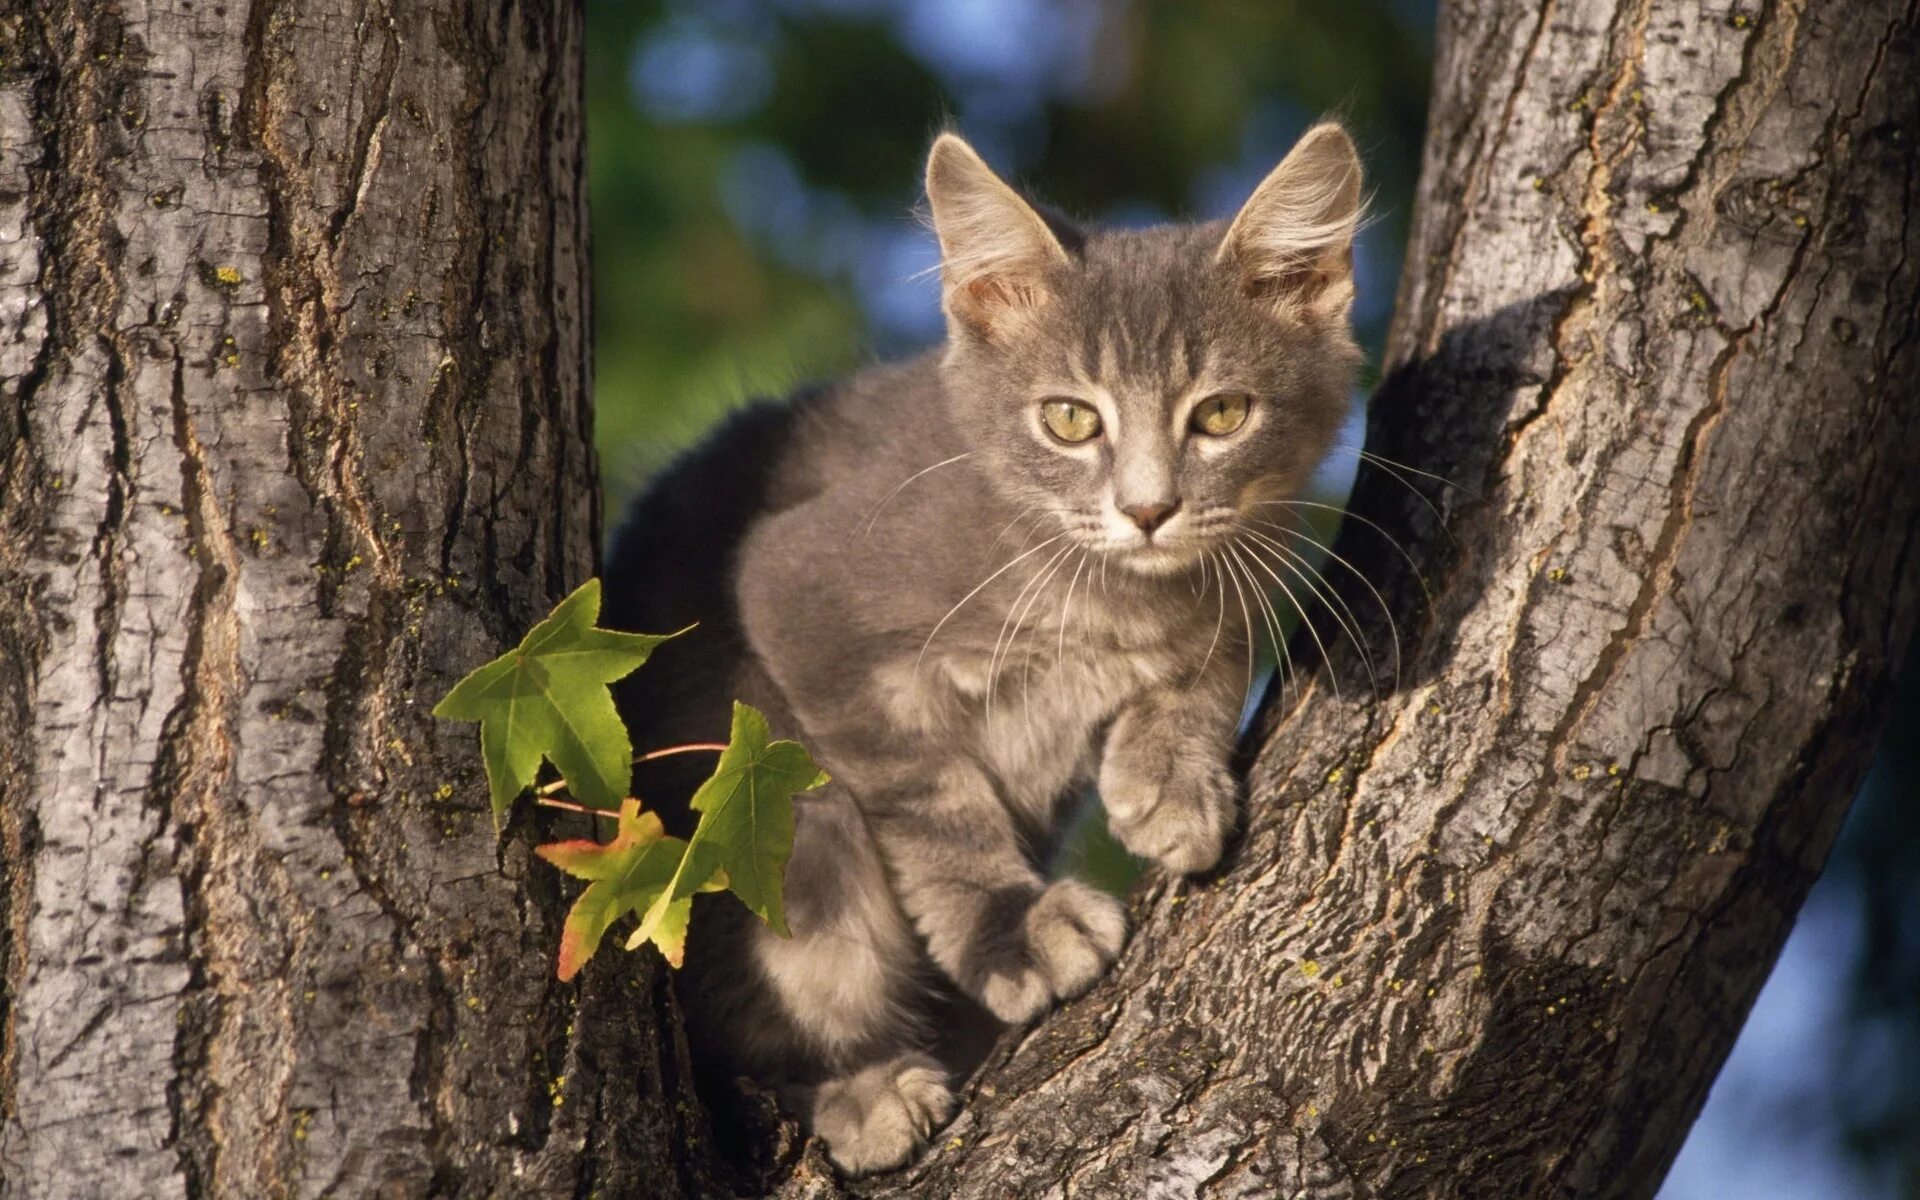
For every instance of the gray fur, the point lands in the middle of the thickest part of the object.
(947, 606)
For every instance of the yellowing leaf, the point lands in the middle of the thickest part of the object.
(627, 874)
(548, 698)
(745, 835)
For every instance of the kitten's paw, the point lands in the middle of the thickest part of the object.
(876, 1119)
(1182, 824)
(1065, 940)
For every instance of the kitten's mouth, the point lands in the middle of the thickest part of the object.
(1158, 556)
(1179, 546)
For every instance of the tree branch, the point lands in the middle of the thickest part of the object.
(1492, 932)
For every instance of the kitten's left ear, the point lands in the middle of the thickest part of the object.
(1292, 241)
(995, 250)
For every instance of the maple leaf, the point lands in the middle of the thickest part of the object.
(745, 834)
(548, 698)
(625, 875)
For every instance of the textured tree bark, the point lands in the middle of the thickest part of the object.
(1491, 931)
(292, 372)
(294, 428)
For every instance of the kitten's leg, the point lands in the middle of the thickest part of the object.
(1163, 775)
(841, 998)
(1006, 936)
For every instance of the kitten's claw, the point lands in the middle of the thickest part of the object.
(1184, 826)
(874, 1120)
(1069, 936)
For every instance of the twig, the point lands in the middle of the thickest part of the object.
(578, 808)
(560, 785)
(688, 748)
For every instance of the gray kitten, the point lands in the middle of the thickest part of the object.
(972, 581)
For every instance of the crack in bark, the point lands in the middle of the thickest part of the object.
(365, 158)
(23, 489)
(83, 62)
(1476, 183)
(234, 1126)
(1627, 48)
(1772, 46)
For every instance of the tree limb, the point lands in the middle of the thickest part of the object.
(1491, 931)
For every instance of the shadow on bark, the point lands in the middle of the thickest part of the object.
(1435, 422)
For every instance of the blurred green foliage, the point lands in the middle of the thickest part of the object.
(755, 170)
(1135, 111)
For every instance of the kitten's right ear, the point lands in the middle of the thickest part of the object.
(1292, 241)
(995, 250)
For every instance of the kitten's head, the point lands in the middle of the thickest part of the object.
(1151, 388)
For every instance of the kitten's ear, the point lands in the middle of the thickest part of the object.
(995, 250)
(1292, 241)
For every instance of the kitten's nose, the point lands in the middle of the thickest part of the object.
(1150, 517)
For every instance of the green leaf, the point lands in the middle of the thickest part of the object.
(628, 874)
(548, 698)
(745, 835)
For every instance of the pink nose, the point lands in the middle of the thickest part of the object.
(1150, 517)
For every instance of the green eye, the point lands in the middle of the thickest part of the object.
(1218, 416)
(1070, 420)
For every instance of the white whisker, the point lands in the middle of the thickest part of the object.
(1026, 664)
(1328, 596)
(1221, 604)
(1386, 611)
(1066, 607)
(1263, 605)
(1387, 464)
(1029, 513)
(976, 591)
(1392, 469)
(1247, 623)
(1300, 611)
(873, 515)
(1034, 585)
(1391, 540)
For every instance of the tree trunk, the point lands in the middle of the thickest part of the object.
(294, 428)
(1492, 932)
(291, 354)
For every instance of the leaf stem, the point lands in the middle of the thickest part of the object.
(687, 748)
(577, 808)
(560, 785)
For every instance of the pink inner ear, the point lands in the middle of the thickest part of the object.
(981, 299)
(1298, 287)
(1301, 285)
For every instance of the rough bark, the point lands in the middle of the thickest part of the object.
(294, 427)
(1492, 930)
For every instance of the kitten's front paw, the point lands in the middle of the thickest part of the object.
(1182, 824)
(1066, 939)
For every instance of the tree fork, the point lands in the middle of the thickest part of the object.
(1493, 932)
